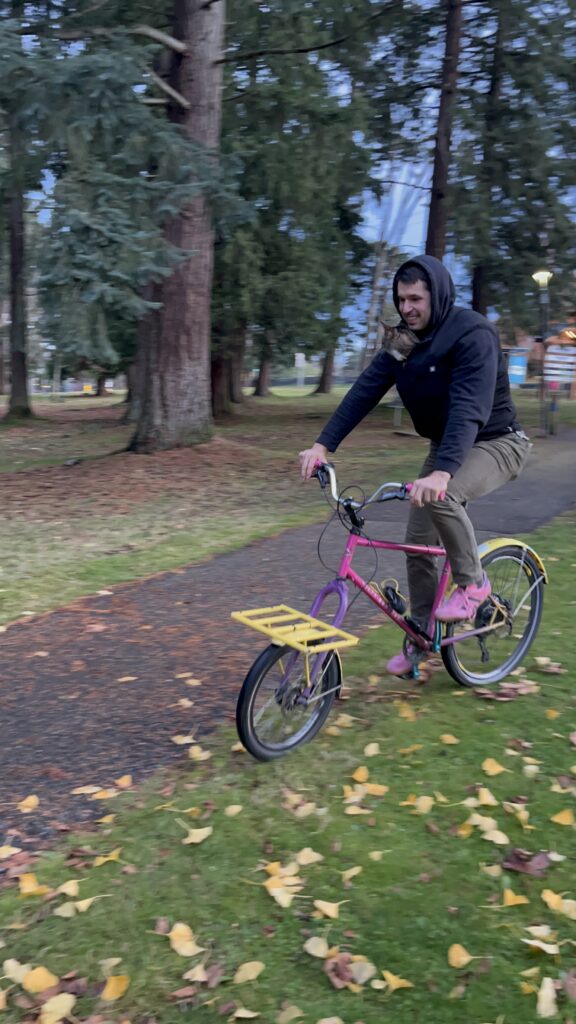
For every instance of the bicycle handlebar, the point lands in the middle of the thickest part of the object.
(326, 475)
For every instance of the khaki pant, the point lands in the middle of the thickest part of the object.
(489, 465)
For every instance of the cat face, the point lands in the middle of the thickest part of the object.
(398, 341)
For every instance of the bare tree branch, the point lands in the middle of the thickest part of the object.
(407, 184)
(89, 10)
(172, 93)
(160, 37)
(318, 46)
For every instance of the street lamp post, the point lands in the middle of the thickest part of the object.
(542, 279)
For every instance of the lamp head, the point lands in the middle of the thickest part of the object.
(542, 277)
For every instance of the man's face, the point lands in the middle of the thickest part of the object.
(415, 305)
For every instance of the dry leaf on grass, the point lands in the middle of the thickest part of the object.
(327, 909)
(546, 1005)
(535, 864)
(317, 946)
(449, 739)
(107, 858)
(308, 856)
(197, 753)
(564, 817)
(182, 940)
(197, 835)
(9, 851)
(115, 987)
(57, 1008)
(458, 956)
(394, 982)
(249, 971)
(512, 899)
(492, 767)
(38, 980)
(288, 1014)
(232, 810)
(371, 749)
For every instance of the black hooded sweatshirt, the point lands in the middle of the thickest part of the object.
(454, 383)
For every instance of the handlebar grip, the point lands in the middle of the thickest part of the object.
(408, 488)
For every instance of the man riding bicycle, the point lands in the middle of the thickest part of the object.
(454, 384)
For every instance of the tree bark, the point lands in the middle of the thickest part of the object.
(437, 217)
(262, 389)
(237, 366)
(19, 402)
(220, 373)
(101, 385)
(325, 383)
(136, 373)
(482, 240)
(176, 402)
(376, 303)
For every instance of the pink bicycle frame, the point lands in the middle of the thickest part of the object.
(339, 588)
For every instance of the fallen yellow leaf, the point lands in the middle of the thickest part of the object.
(197, 835)
(65, 910)
(29, 804)
(552, 948)
(15, 971)
(288, 1014)
(458, 956)
(355, 809)
(197, 973)
(394, 982)
(104, 794)
(546, 1005)
(57, 1008)
(563, 817)
(317, 946)
(351, 873)
(197, 753)
(85, 790)
(304, 810)
(181, 740)
(371, 749)
(124, 782)
(362, 970)
(486, 798)
(70, 888)
(492, 767)
(448, 739)
(361, 774)
(115, 987)
(512, 899)
(127, 679)
(38, 980)
(29, 885)
(551, 713)
(232, 810)
(242, 1013)
(375, 789)
(553, 900)
(327, 909)
(9, 851)
(308, 856)
(406, 711)
(182, 940)
(107, 819)
(107, 858)
(249, 971)
(497, 837)
(108, 964)
(411, 749)
(376, 855)
(493, 870)
(423, 804)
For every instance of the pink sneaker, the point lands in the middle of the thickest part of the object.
(400, 665)
(464, 602)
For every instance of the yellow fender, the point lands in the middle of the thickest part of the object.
(504, 542)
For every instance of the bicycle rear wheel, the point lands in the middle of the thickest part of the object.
(514, 609)
(272, 715)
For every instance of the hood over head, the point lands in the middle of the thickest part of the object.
(441, 287)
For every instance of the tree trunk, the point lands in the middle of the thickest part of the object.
(137, 371)
(101, 385)
(437, 217)
(482, 239)
(376, 303)
(237, 366)
(176, 401)
(19, 403)
(480, 289)
(325, 383)
(262, 389)
(220, 373)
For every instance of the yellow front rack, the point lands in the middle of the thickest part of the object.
(285, 625)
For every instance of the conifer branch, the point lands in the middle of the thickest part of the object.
(172, 93)
(250, 55)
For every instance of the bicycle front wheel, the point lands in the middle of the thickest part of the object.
(510, 616)
(273, 714)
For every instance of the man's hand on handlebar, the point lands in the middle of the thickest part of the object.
(310, 457)
(429, 488)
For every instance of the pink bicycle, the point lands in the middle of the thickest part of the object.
(289, 690)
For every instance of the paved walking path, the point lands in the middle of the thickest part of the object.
(67, 717)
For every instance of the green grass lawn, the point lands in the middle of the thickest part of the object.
(422, 889)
